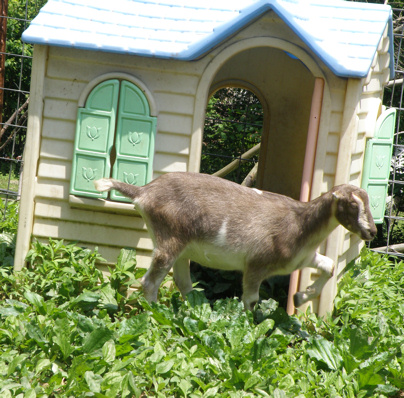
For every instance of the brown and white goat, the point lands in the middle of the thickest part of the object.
(222, 225)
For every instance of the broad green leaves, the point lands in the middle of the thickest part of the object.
(100, 343)
(325, 352)
(8, 229)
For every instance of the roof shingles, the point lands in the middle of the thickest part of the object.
(345, 35)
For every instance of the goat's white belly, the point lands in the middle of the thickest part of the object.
(213, 256)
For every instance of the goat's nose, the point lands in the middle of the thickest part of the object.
(372, 232)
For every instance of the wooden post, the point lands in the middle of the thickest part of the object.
(236, 163)
(3, 37)
(308, 168)
(31, 156)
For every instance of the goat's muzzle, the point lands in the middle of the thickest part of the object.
(370, 233)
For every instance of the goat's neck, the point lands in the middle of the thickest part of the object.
(318, 219)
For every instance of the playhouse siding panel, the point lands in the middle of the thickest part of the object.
(57, 88)
(363, 123)
(54, 169)
(46, 208)
(327, 154)
(332, 143)
(66, 78)
(56, 108)
(90, 233)
(336, 243)
(56, 149)
(171, 143)
(169, 163)
(175, 103)
(331, 151)
(160, 75)
(175, 123)
(51, 189)
(57, 129)
(360, 143)
(367, 111)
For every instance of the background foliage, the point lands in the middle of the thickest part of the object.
(18, 62)
(233, 124)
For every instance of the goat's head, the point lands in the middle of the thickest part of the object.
(353, 211)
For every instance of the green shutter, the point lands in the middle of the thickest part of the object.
(135, 135)
(94, 139)
(105, 122)
(376, 170)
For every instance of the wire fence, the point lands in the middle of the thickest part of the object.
(390, 237)
(15, 66)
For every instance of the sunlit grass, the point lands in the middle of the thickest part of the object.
(9, 183)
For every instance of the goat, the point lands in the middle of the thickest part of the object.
(220, 224)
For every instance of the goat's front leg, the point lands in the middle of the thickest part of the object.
(326, 266)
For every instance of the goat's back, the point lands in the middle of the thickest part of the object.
(201, 204)
(190, 192)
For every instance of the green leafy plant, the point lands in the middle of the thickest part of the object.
(7, 249)
(8, 216)
(104, 341)
(233, 124)
(8, 230)
(61, 271)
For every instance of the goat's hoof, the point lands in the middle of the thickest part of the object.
(299, 299)
(250, 306)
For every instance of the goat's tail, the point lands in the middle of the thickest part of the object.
(106, 184)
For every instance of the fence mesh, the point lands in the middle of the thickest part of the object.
(15, 67)
(390, 236)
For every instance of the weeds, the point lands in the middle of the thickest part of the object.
(8, 230)
(8, 215)
(68, 331)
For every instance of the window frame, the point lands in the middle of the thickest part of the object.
(116, 203)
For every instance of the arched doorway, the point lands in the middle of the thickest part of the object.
(230, 149)
(284, 85)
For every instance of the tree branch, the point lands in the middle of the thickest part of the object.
(14, 132)
(12, 117)
(249, 181)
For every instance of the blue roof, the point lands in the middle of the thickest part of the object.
(345, 35)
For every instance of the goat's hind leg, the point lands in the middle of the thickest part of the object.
(252, 280)
(182, 276)
(326, 266)
(159, 268)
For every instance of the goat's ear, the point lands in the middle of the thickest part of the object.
(337, 195)
(357, 199)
